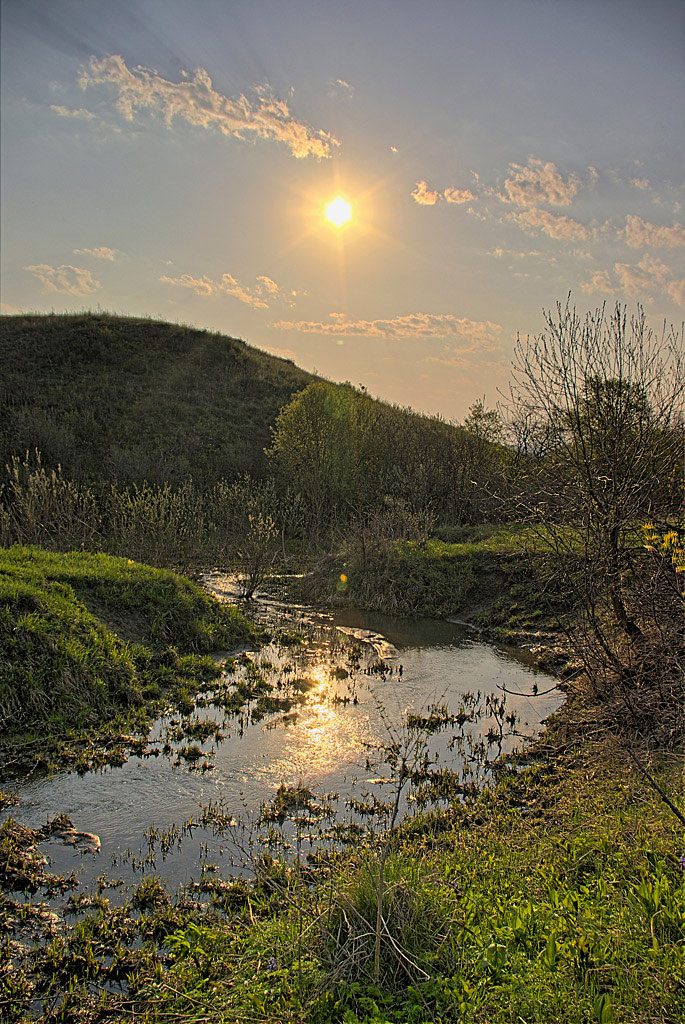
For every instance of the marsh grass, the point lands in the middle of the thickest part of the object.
(87, 639)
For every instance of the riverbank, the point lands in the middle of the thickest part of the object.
(555, 895)
(92, 647)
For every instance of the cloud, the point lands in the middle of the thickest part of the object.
(676, 291)
(425, 196)
(421, 326)
(196, 102)
(71, 280)
(200, 285)
(457, 195)
(102, 252)
(538, 183)
(645, 279)
(554, 225)
(640, 233)
(81, 114)
(641, 183)
(261, 296)
(7, 310)
(339, 87)
(649, 274)
(599, 282)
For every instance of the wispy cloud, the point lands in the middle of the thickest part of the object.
(195, 101)
(425, 196)
(339, 87)
(641, 183)
(421, 326)
(555, 225)
(538, 183)
(644, 280)
(200, 285)
(80, 113)
(260, 296)
(101, 252)
(639, 234)
(7, 310)
(66, 279)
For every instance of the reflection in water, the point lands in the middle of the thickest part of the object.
(321, 707)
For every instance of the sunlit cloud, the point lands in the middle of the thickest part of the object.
(7, 310)
(457, 195)
(200, 285)
(281, 353)
(415, 325)
(641, 183)
(101, 252)
(80, 113)
(260, 296)
(555, 225)
(195, 101)
(640, 234)
(425, 196)
(66, 279)
(538, 183)
(644, 280)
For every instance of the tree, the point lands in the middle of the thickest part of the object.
(598, 400)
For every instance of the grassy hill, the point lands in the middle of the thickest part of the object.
(129, 399)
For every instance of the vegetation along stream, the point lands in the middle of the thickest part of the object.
(329, 693)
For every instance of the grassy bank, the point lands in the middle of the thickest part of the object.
(89, 644)
(559, 895)
(495, 576)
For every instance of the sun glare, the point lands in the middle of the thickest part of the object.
(338, 212)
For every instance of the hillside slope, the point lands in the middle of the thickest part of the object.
(129, 399)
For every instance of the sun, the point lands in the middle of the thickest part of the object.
(338, 212)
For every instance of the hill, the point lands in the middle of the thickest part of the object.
(119, 398)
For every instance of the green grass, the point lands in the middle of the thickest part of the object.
(558, 896)
(85, 638)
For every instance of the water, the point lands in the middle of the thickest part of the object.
(338, 701)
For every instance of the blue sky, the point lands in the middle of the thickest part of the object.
(174, 159)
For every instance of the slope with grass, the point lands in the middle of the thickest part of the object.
(89, 640)
(111, 397)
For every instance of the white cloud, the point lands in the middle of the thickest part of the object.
(538, 183)
(422, 326)
(260, 296)
(641, 233)
(555, 225)
(102, 252)
(195, 101)
(67, 279)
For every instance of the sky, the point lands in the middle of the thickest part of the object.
(174, 159)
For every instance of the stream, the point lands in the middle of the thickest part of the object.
(328, 701)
